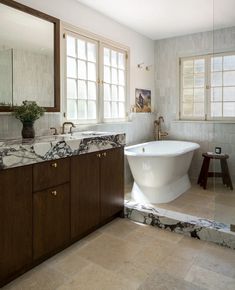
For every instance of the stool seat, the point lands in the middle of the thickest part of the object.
(215, 156)
(204, 173)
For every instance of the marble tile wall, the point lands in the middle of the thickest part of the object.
(208, 135)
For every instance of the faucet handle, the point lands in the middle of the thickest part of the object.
(71, 128)
(55, 130)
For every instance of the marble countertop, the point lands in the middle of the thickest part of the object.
(18, 152)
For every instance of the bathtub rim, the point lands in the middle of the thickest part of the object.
(193, 146)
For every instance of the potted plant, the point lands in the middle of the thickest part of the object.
(28, 113)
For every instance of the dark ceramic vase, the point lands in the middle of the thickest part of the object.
(28, 130)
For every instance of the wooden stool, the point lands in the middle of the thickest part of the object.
(204, 173)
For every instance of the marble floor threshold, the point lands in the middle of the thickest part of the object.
(174, 218)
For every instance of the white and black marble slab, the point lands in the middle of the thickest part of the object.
(195, 227)
(15, 153)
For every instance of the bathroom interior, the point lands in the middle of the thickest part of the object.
(117, 144)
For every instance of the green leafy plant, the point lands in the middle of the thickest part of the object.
(28, 112)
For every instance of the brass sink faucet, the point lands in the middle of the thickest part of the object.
(71, 126)
(158, 133)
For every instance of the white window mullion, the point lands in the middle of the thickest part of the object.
(208, 88)
(101, 84)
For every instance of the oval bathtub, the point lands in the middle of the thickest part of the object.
(160, 169)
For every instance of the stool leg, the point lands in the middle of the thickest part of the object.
(200, 177)
(226, 174)
(223, 171)
(206, 169)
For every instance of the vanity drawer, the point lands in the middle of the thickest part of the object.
(51, 173)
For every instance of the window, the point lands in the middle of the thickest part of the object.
(208, 87)
(96, 80)
(114, 84)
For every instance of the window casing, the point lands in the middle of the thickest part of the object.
(96, 80)
(207, 87)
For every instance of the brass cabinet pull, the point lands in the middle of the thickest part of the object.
(98, 155)
(55, 165)
(104, 154)
(54, 193)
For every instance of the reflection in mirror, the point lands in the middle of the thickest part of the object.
(26, 58)
(5, 77)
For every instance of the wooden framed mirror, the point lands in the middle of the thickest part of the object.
(29, 57)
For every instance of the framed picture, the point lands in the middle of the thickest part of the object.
(143, 100)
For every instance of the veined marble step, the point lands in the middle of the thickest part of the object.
(195, 227)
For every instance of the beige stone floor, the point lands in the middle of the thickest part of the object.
(217, 202)
(126, 255)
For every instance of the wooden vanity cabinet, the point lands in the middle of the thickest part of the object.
(85, 199)
(111, 183)
(51, 206)
(15, 221)
(48, 206)
(97, 189)
(51, 220)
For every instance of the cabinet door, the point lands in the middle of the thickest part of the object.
(15, 220)
(51, 220)
(111, 182)
(85, 209)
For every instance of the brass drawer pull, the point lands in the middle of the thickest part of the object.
(55, 165)
(104, 154)
(98, 155)
(54, 193)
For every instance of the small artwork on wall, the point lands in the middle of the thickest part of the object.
(142, 100)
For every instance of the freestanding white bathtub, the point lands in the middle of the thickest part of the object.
(160, 169)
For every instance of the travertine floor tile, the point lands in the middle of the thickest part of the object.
(41, 277)
(95, 277)
(109, 252)
(176, 266)
(146, 258)
(119, 228)
(164, 281)
(217, 259)
(216, 202)
(209, 279)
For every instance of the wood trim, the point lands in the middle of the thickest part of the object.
(56, 23)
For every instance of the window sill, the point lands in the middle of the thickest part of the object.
(206, 121)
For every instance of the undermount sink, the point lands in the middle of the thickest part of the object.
(43, 144)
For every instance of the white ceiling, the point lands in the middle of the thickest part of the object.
(159, 19)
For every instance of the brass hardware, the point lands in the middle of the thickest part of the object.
(104, 154)
(54, 193)
(158, 132)
(68, 123)
(55, 130)
(55, 165)
(98, 155)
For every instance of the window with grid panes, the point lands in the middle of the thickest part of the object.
(81, 78)
(114, 83)
(208, 87)
(96, 80)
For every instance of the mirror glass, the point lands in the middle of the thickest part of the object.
(26, 58)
